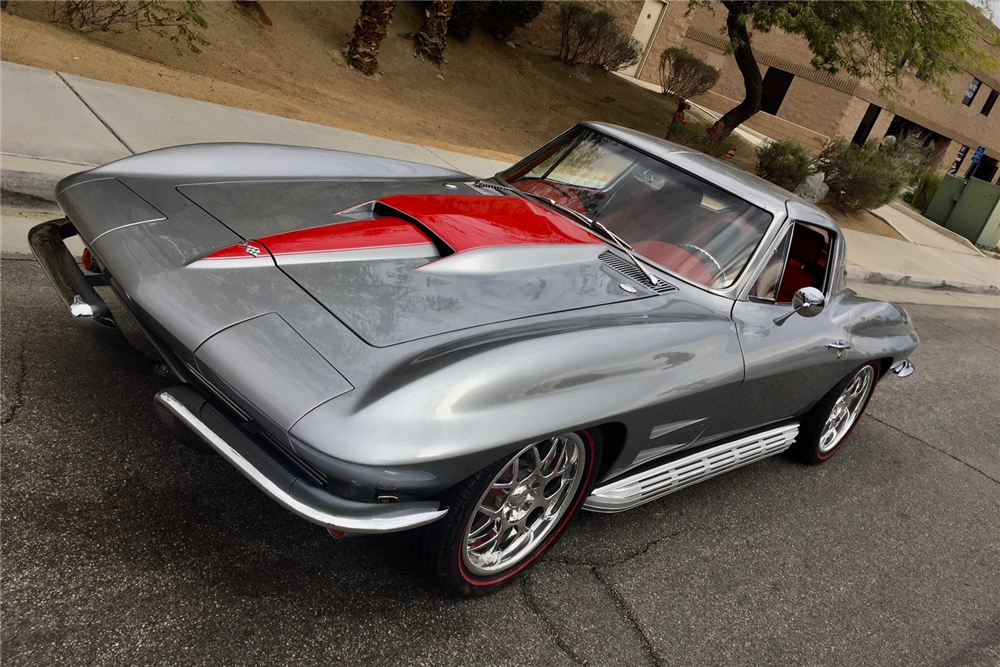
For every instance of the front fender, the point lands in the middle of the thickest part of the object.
(881, 330)
(444, 416)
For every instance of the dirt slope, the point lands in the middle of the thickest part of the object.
(497, 101)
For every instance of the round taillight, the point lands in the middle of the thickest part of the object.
(87, 259)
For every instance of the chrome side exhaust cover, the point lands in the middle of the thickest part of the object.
(647, 485)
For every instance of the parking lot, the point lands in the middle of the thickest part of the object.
(121, 546)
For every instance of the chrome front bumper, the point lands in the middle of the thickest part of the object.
(285, 485)
(75, 289)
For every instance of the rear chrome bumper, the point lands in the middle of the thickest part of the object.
(76, 290)
(285, 485)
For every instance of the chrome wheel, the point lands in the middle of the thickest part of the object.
(523, 504)
(847, 409)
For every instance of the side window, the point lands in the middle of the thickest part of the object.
(801, 260)
(808, 263)
(766, 287)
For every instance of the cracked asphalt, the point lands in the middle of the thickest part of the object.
(121, 547)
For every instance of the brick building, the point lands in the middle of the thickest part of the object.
(801, 103)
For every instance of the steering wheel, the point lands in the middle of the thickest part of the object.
(704, 253)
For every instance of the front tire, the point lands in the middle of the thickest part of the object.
(830, 423)
(504, 517)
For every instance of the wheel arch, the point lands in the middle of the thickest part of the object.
(613, 438)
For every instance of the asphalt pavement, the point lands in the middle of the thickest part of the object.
(122, 547)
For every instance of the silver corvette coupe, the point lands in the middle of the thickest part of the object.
(384, 346)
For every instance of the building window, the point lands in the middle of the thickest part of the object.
(865, 127)
(990, 101)
(776, 83)
(971, 93)
(959, 159)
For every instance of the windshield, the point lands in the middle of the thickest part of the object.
(671, 219)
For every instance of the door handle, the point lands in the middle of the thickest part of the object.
(840, 346)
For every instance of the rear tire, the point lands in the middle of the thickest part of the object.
(830, 423)
(503, 518)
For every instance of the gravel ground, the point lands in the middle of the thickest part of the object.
(121, 547)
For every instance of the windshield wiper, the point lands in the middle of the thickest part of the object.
(590, 222)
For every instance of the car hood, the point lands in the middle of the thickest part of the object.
(409, 266)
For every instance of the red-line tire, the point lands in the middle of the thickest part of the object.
(810, 446)
(440, 545)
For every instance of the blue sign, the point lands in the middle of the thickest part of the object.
(978, 155)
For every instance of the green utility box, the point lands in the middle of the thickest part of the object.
(944, 199)
(968, 207)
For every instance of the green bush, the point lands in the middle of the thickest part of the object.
(862, 177)
(502, 17)
(615, 50)
(784, 163)
(464, 18)
(923, 192)
(589, 35)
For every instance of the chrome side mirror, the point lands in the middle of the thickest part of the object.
(808, 302)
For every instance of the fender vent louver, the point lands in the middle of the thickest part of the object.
(630, 270)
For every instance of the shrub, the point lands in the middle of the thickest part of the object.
(923, 192)
(464, 18)
(588, 35)
(784, 163)
(581, 27)
(175, 21)
(862, 177)
(615, 49)
(502, 17)
(684, 74)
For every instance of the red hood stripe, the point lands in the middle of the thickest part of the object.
(379, 233)
(463, 222)
(466, 222)
(384, 232)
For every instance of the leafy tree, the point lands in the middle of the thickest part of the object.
(880, 41)
(176, 21)
(685, 75)
(431, 38)
(369, 31)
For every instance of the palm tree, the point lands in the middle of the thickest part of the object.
(371, 28)
(431, 38)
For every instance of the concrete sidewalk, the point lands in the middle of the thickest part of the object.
(56, 124)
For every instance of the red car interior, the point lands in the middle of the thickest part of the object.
(807, 259)
(678, 259)
(560, 193)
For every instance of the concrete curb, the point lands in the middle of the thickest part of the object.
(35, 177)
(863, 274)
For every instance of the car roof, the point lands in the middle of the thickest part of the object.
(747, 186)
